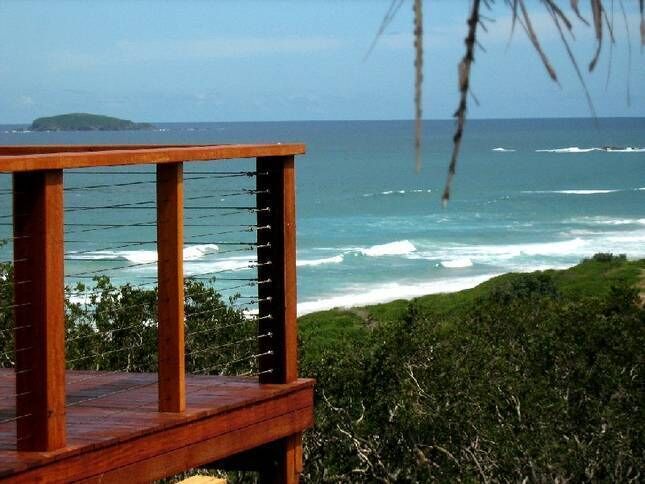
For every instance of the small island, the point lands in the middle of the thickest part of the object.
(85, 122)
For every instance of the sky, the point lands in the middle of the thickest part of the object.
(279, 60)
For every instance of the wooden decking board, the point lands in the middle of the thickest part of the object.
(122, 429)
(207, 451)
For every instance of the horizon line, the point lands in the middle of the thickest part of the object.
(375, 120)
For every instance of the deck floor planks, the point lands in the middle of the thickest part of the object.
(109, 409)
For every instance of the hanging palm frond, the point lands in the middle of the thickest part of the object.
(521, 16)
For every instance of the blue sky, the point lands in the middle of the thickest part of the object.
(264, 60)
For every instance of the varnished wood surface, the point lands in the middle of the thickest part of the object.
(170, 244)
(276, 189)
(39, 310)
(42, 149)
(114, 431)
(67, 159)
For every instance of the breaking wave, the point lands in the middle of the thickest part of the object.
(574, 192)
(193, 252)
(607, 149)
(397, 192)
(457, 263)
(400, 247)
(233, 264)
(318, 262)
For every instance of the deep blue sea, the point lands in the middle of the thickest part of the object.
(528, 195)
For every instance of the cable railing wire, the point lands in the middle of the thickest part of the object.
(230, 330)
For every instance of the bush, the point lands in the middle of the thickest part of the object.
(528, 384)
(115, 329)
(608, 257)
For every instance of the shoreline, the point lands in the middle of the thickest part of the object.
(393, 291)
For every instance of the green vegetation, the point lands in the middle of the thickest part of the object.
(532, 377)
(85, 122)
(527, 376)
(117, 330)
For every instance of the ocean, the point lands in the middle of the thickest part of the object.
(528, 195)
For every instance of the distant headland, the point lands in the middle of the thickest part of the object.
(85, 122)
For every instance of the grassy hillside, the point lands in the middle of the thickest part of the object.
(527, 377)
(591, 278)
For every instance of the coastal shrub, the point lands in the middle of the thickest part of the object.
(118, 330)
(526, 385)
(532, 377)
(114, 328)
(608, 257)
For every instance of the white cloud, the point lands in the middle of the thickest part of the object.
(224, 47)
(25, 100)
(170, 50)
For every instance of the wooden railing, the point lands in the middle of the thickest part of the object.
(39, 313)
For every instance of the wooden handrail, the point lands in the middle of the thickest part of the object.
(15, 150)
(140, 156)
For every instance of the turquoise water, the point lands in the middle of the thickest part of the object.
(529, 194)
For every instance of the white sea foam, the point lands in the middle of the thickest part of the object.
(607, 149)
(514, 257)
(585, 192)
(136, 256)
(318, 262)
(503, 150)
(628, 149)
(195, 252)
(357, 296)
(605, 221)
(397, 192)
(457, 263)
(574, 192)
(97, 255)
(233, 264)
(507, 255)
(400, 247)
(571, 149)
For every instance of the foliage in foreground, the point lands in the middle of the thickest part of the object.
(528, 376)
(114, 328)
(536, 376)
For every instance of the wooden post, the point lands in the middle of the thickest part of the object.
(39, 309)
(277, 261)
(170, 243)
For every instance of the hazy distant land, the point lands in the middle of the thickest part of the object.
(85, 122)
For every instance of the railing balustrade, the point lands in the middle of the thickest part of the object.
(200, 255)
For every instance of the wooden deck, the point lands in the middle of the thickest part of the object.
(116, 434)
(120, 427)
